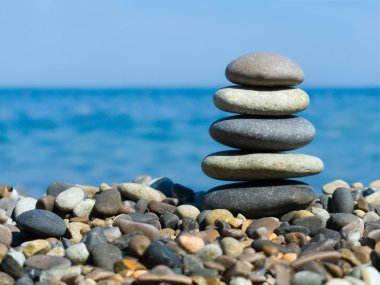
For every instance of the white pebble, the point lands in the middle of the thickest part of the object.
(25, 204)
(68, 199)
(78, 253)
(84, 208)
(371, 276)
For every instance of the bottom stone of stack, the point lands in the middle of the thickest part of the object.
(260, 199)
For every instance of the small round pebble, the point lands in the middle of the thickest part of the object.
(84, 208)
(78, 253)
(231, 247)
(24, 204)
(68, 199)
(187, 211)
(210, 252)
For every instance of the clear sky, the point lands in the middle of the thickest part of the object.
(121, 43)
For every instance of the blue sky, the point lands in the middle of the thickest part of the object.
(92, 43)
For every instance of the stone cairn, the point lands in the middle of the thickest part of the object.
(264, 128)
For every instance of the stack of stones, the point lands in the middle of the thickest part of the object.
(264, 129)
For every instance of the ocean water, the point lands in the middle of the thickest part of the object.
(94, 136)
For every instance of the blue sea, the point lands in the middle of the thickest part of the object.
(94, 136)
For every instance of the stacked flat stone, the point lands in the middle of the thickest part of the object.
(263, 130)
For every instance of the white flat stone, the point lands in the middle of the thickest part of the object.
(261, 101)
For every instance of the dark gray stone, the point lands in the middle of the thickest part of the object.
(328, 234)
(163, 184)
(192, 265)
(255, 200)
(189, 225)
(42, 223)
(146, 218)
(368, 192)
(94, 238)
(264, 69)
(157, 254)
(57, 187)
(105, 255)
(339, 220)
(107, 202)
(342, 201)
(169, 220)
(201, 217)
(319, 245)
(259, 133)
(184, 194)
(313, 223)
(286, 229)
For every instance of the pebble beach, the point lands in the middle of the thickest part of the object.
(154, 231)
(264, 228)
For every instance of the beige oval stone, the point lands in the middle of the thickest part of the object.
(137, 191)
(261, 101)
(190, 243)
(217, 214)
(329, 188)
(238, 166)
